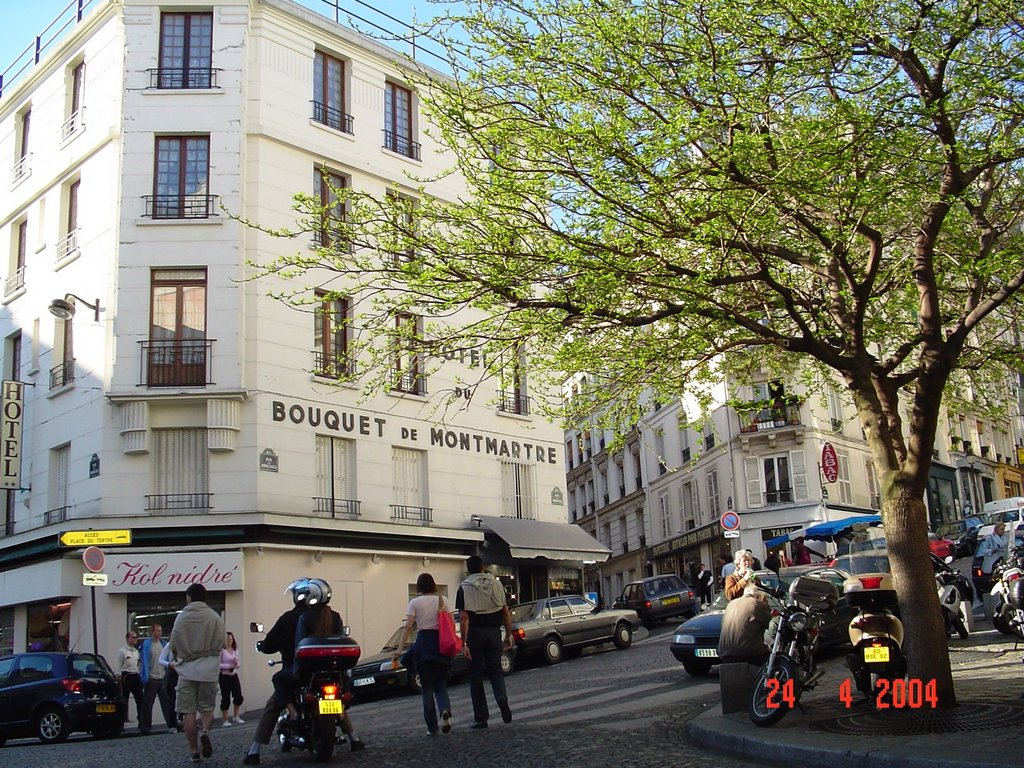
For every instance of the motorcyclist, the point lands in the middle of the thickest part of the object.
(280, 639)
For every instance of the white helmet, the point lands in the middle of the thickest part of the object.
(310, 592)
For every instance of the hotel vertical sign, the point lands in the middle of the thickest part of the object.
(12, 407)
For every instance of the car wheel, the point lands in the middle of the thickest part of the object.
(552, 650)
(508, 664)
(623, 636)
(697, 667)
(52, 726)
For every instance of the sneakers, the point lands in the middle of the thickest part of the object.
(478, 724)
(205, 745)
(238, 720)
(357, 745)
(227, 724)
(446, 721)
(172, 730)
(506, 712)
(253, 758)
(196, 758)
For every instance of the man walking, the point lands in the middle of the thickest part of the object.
(196, 640)
(703, 585)
(126, 665)
(483, 610)
(153, 676)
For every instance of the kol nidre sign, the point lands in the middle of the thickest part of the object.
(217, 571)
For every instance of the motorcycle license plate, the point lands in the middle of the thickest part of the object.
(362, 681)
(105, 708)
(330, 706)
(876, 654)
(707, 652)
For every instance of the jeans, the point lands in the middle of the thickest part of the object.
(131, 687)
(485, 652)
(153, 689)
(434, 687)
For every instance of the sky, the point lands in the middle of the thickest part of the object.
(22, 21)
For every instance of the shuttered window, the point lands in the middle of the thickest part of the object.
(334, 474)
(180, 461)
(518, 490)
(409, 481)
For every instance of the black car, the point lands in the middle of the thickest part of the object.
(378, 673)
(963, 533)
(658, 597)
(51, 695)
(570, 622)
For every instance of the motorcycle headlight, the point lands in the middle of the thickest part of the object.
(798, 621)
(684, 640)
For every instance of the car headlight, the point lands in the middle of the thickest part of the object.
(388, 666)
(684, 640)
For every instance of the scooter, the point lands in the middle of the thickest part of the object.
(791, 668)
(953, 592)
(1007, 592)
(321, 665)
(876, 634)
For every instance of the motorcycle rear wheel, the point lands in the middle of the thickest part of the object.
(761, 714)
(322, 738)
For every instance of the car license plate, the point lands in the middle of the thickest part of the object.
(362, 681)
(707, 652)
(105, 708)
(876, 654)
(670, 600)
(330, 707)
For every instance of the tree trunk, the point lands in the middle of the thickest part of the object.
(924, 642)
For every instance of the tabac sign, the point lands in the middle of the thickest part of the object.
(12, 407)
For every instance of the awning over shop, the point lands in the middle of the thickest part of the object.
(827, 531)
(555, 541)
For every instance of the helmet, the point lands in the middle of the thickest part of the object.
(310, 592)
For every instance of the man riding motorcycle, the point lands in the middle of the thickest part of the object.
(282, 639)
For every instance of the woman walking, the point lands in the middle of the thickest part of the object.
(425, 655)
(230, 686)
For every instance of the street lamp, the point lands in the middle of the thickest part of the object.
(65, 309)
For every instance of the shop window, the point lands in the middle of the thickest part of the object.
(564, 581)
(49, 627)
(6, 631)
(162, 608)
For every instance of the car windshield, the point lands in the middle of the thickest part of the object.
(523, 612)
(395, 639)
(663, 585)
(952, 529)
(864, 562)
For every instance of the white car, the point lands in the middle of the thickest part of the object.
(1009, 511)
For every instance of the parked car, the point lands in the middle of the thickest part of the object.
(658, 597)
(1001, 511)
(569, 622)
(940, 546)
(963, 533)
(377, 673)
(695, 642)
(51, 695)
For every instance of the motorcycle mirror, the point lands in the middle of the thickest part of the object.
(255, 626)
(346, 631)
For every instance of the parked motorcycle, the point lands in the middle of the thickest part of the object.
(1008, 593)
(876, 634)
(791, 669)
(954, 591)
(321, 666)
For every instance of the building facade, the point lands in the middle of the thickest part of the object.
(160, 390)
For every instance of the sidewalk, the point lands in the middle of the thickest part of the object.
(986, 730)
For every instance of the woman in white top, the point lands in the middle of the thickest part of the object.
(425, 655)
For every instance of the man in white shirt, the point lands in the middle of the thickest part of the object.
(126, 666)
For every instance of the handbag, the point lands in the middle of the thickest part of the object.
(449, 643)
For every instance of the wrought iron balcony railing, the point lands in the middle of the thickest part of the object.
(180, 206)
(784, 496)
(758, 420)
(178, 502)
(333, 366)
(176, 363)
(401, 145)
(409, 382)
(21, 168)
(71, 125)
(63, 374)
(340, 508)
(182, 78)
(67, 247)
(407, 513)
(58, 515)
(332, 117)
(513, 402)
(15, 282)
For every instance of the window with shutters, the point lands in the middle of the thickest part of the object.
(874, 489)
(518, 490)
(409, 486)
(835, 409)
(335, 477)
(714, 501)
(843, 479)
(57, 509)
(776, 479)
(180, 471)
(666, 516)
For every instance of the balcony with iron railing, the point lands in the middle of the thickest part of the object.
(71, 125)
(513, 402)
(764, 418)
(21, 168)
(333, 366)
(347, 509)
(401, 145)
(174, 503)
(163, 207)
(405, 513)
(784, 496)
(686, 455)
(182, 78)
(62, 375)
(176, 363)
(332, 117)
(56, 515)
(409, 382)
(15, 282)
(67, 248)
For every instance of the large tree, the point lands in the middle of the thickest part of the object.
(664, 191)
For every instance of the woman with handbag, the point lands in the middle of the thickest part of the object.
(425, 656)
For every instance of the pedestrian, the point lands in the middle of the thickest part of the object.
(153, 673)
(197, 640)
(784, 560)
(169, 663)
(772, 562)
(753, 558)
(425, 654)
(742, 575)
(991, 549)
(801, 554)
(704, 580)
(726, 567)
(483, 611)
(743, 626)
(126, 666)
(230, 685)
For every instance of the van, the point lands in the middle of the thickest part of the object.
(1009, 511)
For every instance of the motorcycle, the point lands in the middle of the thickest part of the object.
(321, 668)
(954, 590)
(791, 668)
(876, 634)
(1007, 594)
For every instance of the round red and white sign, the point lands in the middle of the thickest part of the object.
(94, 559)
(730, 521)
(829, 463)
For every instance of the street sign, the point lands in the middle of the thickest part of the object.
(94, 538)
(732, 534)
(829, 463)
(730, 521)
(94, 559)
(94, 579)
